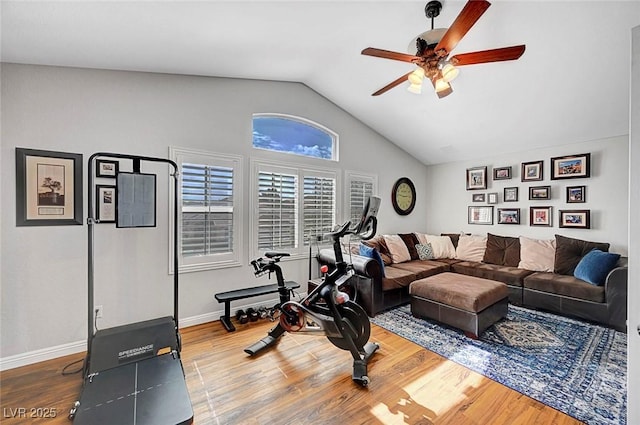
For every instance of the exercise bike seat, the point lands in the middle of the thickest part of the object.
(276, 254)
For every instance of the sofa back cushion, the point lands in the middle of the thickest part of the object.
(410, 240)
(441, 246)
(502, 251)
(537, 255)
(471, 248)
(381, 246)
(570, 251)
(397, 249)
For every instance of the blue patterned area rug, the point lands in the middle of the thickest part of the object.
(575, 367)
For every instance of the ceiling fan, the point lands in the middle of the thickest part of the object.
(434, 46)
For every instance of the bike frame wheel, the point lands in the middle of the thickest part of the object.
(356, 323)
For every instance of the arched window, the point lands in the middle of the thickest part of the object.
(294, 135)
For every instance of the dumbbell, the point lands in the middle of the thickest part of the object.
(263, 312)
(242, 317)
(253, 314)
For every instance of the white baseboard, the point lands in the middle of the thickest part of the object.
(41, 355)
(50, 353)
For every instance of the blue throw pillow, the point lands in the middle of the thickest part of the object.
(595, 266)
(368, 251)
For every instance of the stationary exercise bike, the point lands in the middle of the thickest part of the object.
(326, 310)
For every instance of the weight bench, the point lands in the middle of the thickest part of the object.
(238, 294)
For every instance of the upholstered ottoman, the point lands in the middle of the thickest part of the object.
(469, 303)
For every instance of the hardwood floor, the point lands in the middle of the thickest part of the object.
(302, 380)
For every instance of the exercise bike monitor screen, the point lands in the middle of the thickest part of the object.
(368, 220)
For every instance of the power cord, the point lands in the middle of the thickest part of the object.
(64, 369)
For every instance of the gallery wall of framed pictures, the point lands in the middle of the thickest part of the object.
(497, 182)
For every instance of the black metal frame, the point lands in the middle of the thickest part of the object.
(91, 221)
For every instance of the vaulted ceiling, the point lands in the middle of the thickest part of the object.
(571, 85)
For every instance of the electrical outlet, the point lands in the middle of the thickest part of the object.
(98, 311)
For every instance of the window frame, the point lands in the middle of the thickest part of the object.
(182, 155)
(300, 171)
(306, 121)
(351, 176)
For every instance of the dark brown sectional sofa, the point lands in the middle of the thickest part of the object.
(559, 291)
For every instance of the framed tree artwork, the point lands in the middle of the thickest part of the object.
(48, 188)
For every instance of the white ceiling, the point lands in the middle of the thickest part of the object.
(571, 85)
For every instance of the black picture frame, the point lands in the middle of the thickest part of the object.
(492, 198)
(502, 173)
(105, 203)
(510, 194)
(540, 216)
(577, 219)
(539, 193)
(532, 171)
(478, 197)
(576, 194)
(571, 167)
(61, 174)
(106, 168)
(477, 178)
(508, 215)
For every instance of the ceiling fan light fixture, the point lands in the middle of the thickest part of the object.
(449, 72)
(415, 88)
(442, 88)
(416, 76)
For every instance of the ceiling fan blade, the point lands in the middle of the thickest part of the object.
(392, 84)
(470, 14)
(388, 54)
(493, 55)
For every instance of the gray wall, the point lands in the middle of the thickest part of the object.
(633, 372)
(44, 269)
(606, 194)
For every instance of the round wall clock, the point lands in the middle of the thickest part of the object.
(403, 196)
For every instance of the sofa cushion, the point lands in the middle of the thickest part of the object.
(502, 250)
(512, 276)
(396, 277)
(464, 292)
(423, 268)
(595, 266)
(367, 251)
(381, 246)
(570, 251)
(425, 252)
(537, 254)
(397, 249)
(410, 240)
(471, 248)
(567, 286)
(441, 245)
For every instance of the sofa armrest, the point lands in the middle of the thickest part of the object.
(363, 266)
(368, 282)
(615, 289)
